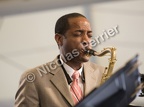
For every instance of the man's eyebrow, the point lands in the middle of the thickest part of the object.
(83, 31)
(90, 31)
(78, 30)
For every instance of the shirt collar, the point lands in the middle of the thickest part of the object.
(69, 69)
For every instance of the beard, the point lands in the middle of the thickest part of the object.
(83, 57)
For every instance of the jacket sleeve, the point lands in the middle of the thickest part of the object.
(26, 95)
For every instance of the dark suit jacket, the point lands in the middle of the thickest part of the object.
(47, 86)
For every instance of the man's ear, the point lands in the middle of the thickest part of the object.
(59, 39)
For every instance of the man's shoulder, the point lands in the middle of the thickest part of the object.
(41, 69)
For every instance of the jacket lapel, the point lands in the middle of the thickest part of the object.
(90, 78)
(60, 82)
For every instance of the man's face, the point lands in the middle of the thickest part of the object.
(76, 39)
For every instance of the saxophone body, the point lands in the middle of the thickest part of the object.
(108, 70)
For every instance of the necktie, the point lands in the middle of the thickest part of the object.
(75, 88)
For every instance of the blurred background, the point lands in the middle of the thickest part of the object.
(27, 35)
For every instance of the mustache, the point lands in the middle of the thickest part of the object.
(85, 47)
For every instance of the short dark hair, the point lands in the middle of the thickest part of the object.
(62, 24)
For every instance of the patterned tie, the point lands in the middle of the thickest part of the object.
(75, 88)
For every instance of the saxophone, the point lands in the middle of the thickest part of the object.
(108, 70)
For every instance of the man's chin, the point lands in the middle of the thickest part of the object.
(85, 58)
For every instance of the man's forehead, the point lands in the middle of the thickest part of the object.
(79, 22)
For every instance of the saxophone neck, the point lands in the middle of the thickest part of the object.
(112, 52)
(105, 51)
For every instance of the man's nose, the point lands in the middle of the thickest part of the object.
(86, 41)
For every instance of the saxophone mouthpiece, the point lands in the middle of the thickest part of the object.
(89, 52)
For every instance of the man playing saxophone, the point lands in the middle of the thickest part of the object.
(70, 76)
